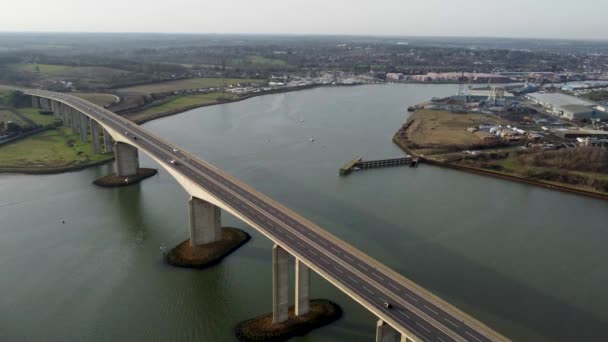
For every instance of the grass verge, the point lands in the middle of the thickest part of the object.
(51, 149)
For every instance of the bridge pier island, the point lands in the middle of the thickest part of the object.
(126, 168)
(209, 242)
(284, 321)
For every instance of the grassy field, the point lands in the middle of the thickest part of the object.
(50, 70)
(433, 129)
(7, 115)
(88, 76)
(34, 115)
(191, 83)
(49, 149)
(99, 99)
(179, 103)
(259, 61)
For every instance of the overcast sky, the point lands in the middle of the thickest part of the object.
(581, 19)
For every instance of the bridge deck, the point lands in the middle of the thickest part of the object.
(414, 312)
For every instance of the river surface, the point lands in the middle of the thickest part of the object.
(527, 261)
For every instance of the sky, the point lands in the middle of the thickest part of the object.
(582, 19)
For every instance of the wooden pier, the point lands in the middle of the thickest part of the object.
(359, 164)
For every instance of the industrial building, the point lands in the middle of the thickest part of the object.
(581, 133)
(567, 107)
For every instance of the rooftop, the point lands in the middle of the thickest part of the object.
(561, 100)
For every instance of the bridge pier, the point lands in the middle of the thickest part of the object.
(126, 160)
(35, 102)
(302, 289)
(66, 115)
(205, 222)
(95, 136)
(84, 121)
(107, 141)
(74, 120)
(280, 285)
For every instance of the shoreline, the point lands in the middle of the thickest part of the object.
(503, 176)
(74, 168)
(52, 170)
(239, 99)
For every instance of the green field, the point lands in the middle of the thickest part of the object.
(49, 149)
(180, 102)
(7, 115)
(99, 99)
(259, 61)
(191, 83)
(43, 69)
(34, 115)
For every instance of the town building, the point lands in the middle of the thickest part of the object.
(567, 107)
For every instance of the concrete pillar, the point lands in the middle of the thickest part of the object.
(84, 123)
(386, 333)
(95, 136)
(302, 288)
(126, 160)
(205, 222)
(107, 141)
(65, 110)
(74, 115)
(280, 284)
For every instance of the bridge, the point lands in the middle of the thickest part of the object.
(414, 314)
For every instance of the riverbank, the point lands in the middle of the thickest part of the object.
(137, 117)
(52, 151)
(492, 163)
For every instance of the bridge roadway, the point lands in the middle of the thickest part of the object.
(415, 312)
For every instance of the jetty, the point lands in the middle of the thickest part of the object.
(358, 164)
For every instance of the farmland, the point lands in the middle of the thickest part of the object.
(191, 83)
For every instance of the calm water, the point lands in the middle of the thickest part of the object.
(527, 261)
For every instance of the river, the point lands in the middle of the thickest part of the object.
(527, 261)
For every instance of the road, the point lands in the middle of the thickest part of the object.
(413, 309)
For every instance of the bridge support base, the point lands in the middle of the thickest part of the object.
(208, 255)
(322, 312)
(209, 243)
(126, 166)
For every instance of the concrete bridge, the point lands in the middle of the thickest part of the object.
(414, 314)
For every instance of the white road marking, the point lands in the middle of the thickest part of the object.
(368, 290)
(435, 312)
(427, 330)
(468, 333)
(452, 323)
(404, 314)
